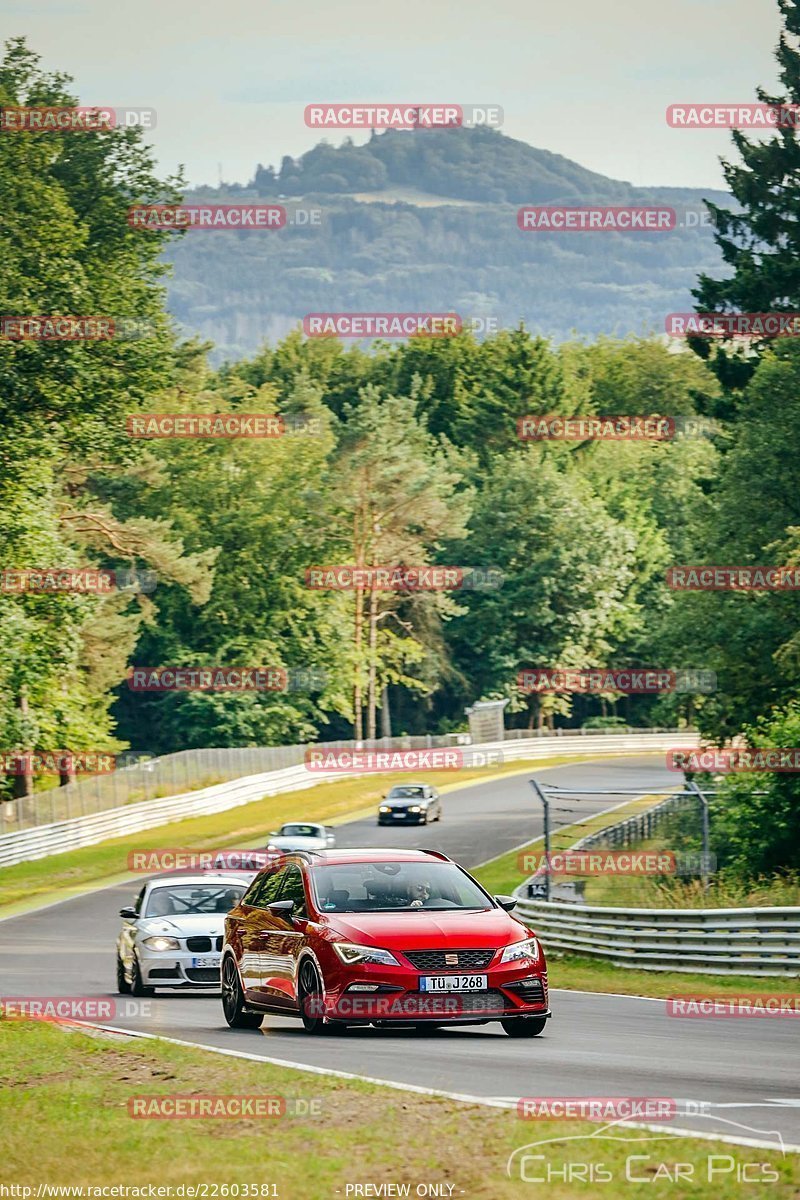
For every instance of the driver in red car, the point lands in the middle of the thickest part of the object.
(419, 894)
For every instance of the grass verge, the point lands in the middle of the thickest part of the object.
(673, 891)
(596, 975)
(27, 884)
(64, 1121)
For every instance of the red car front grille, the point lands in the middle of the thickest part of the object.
(436, 960)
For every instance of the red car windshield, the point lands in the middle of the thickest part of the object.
(395, 887)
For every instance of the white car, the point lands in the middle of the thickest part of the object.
(172, 934)
(301, 835)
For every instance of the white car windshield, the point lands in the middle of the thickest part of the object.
(180, 900)
(395, 886)
(300, 831)
(406, 793)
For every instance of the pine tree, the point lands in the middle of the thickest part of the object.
(761, 242)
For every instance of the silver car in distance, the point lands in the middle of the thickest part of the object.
(301, 835)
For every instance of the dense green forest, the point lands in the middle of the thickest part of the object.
(405, 453)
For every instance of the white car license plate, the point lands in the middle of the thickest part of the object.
(208, 960)
(452, 983)
(398, 816)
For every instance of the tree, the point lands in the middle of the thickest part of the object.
(259, 512)
(402, 496)
(760, 242)
(66, 248)
(567, 567)
(755, 824)
(750, 639)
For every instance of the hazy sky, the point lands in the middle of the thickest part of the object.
(589, 80)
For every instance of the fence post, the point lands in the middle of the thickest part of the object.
(706, 832)
(546, 812)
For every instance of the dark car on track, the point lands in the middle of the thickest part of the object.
(354, 937)
(410, 804)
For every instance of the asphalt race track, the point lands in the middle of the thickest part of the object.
(745, 1071)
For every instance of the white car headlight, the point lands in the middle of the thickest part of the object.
(527, 949)
(384, 808)
(415, 808)
(351, 952)
(159, 942)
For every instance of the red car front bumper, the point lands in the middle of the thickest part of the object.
(513, 989)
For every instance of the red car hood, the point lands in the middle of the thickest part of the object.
(417, 929)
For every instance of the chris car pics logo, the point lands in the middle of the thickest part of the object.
(651, 1157)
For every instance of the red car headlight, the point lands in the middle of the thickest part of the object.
(351, 952)
(529, 948)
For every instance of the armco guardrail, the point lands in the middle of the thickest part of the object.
(722, 941)
(148, 778)
(56, 837)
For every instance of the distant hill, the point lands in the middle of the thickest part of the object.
(466, 164)
(427, 221)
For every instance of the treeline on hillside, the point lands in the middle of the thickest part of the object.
(467, 164)
(480, 164)
(239, 289)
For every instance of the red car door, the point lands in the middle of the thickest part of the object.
(254, 929)
(285, 940)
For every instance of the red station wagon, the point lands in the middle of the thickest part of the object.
(354, 937)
